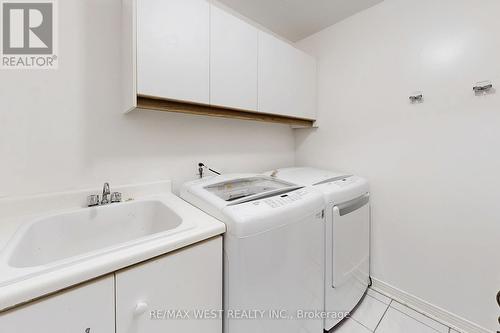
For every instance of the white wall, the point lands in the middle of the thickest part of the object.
(65, 129)
(434, 167)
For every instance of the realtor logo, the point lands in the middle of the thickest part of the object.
(28, 34)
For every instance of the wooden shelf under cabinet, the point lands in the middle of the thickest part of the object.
(166, 105)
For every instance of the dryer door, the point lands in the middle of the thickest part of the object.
(351, 239)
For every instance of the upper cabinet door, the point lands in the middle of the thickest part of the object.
(287, 79)
(173, 49)
(233, 61)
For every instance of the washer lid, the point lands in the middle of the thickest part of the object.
(212, 194)
(249, 188)
(306, 176)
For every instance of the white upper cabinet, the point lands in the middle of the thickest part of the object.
(233, 61)
(287, 79)
(196, 52)
(173, 38)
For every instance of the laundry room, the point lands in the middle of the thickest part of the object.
(243, 166)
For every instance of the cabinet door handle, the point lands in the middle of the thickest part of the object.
(140, 308)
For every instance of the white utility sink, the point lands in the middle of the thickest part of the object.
(61, 236)
(52, 242)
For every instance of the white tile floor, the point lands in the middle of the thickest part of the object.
(378, 313)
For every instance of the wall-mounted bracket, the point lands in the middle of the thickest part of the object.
(417, 97)
(483, 87)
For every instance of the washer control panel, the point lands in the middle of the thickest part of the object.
(284, 199)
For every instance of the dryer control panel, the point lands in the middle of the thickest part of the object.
(344, 189)
(344, 182)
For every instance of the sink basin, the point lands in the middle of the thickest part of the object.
(85, 231)
(48, 242)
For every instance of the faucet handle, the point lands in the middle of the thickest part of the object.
(116, 197)
(93, 200)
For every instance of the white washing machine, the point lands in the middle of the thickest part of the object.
(347, 235)
(273, 251)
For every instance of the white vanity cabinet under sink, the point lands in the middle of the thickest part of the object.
(187, 279)
(88, 308)
(66, 267)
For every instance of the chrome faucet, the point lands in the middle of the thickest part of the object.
(105, 194)
(107, 197)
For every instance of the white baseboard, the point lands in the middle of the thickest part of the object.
(456, 322)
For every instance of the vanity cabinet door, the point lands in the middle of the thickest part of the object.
(88, 308)
(152, 297)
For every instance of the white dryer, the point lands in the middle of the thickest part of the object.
(347, 235)
(273, 250)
